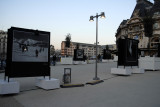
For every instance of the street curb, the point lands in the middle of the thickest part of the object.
(95, 82)
(71, 85)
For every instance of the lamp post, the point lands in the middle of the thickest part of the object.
(102, 15)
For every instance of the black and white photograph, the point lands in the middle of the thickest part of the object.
(28, 47)
(132, 50)
(128, 52)
(79, 54)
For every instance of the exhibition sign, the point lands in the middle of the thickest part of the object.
(128, 52)
(28, 53)
(78, 55)
(106, 54)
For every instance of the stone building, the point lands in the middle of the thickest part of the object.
(111, 47)
(134, 28)
(3, 45)
(89, 49)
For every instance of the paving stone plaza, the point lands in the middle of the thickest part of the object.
(137, 90)
(51, 55)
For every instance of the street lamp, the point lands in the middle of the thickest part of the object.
(102, 15)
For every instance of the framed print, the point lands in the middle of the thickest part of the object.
(28, 53)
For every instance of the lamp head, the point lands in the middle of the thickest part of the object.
(91, 19)
(103, 15)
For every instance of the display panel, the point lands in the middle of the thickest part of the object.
(132, 51)
(106, 54)
(27, 53)
(128, 52)
(29, 48)
(78, 55)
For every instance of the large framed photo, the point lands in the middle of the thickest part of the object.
(128, 52)
(28, 53)
(29, 48)
(78, 55)
(106, 54)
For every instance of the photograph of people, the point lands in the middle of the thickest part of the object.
(30, 48)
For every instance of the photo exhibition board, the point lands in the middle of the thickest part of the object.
(78, 55)
(128, 52)
(29, 48)
(28, 53)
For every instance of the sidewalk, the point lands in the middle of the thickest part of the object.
(137, 90)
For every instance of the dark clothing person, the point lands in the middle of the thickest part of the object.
(23, 47)
(99, 57)
(54, 60)
(36, 52)
(20, 45)
(85, 57)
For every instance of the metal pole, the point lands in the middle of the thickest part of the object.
(96, 78)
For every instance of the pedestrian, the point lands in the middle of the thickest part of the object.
(54, 60)
(23, 48)
(36, 52)
(99, 57)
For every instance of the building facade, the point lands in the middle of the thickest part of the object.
(3, 45)
(111, 47)
(89, 49)
(134, 27)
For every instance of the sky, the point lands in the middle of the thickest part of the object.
(61, 17)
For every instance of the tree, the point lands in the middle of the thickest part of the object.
(77, 46)
(148, 28)
(107, 47)
(52, 50)
(68, 40)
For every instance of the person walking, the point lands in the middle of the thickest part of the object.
(36, 52)
(54, 60)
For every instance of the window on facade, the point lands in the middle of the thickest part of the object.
(154, 42)
(126, 32)
(130, 28)
(135, 37)
(136, 28)
(141, 37)
(156, 26)
(4, 40)
(156, 13)
(3, 49)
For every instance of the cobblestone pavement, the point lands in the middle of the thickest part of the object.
(137, 90)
